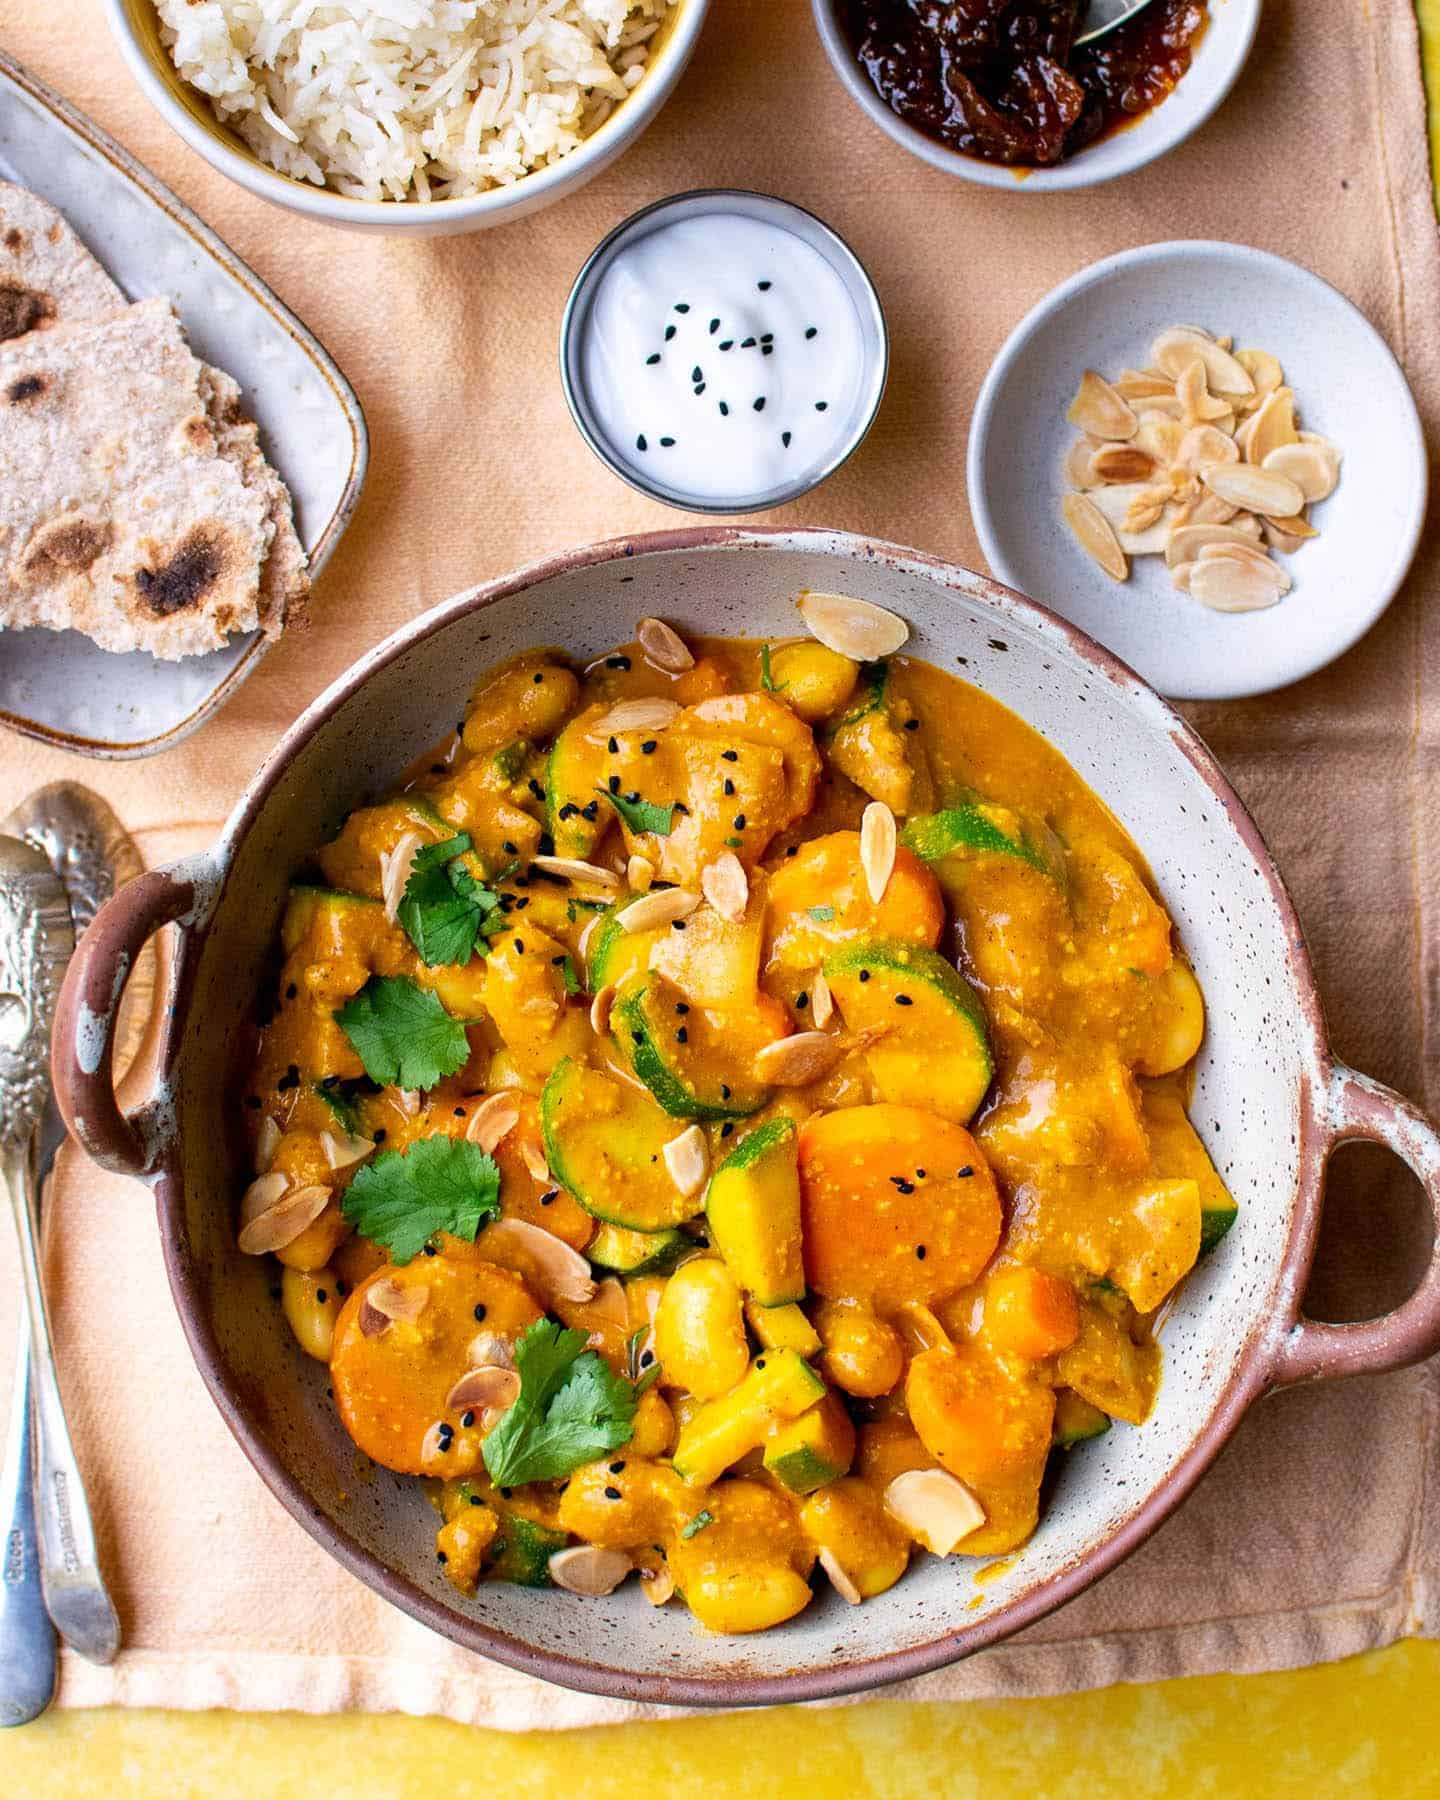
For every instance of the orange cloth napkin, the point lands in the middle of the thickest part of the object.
(1318, 1533)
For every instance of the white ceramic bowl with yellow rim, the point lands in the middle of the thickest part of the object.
(136, 26)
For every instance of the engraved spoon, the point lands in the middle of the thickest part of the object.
(1104, 16)
(36, 941)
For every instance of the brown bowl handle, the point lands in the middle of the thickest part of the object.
(83, 1047)
(1361, 1109)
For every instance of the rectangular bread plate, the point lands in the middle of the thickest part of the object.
(59, 686)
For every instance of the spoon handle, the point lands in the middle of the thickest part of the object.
(28, 1653)
(74, 1587)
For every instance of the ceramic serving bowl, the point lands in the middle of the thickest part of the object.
(1348, 386)
(1219, 58)
(1270, 1101)
(135, 24)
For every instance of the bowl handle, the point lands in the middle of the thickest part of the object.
(83, 1046)
(1357, 1108)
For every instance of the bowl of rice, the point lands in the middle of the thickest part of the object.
(428, 117)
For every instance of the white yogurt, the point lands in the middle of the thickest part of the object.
(723, 358)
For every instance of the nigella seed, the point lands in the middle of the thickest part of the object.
(669, 333)
(682, 1036)
(727, 343)
(760, 404)
(726, 1129)
(812, 331)
(964, 1174)
(785, 439)
(697, 373)
(614, 784)
(682, 306)
(864, 974)
(617, 1468)
(822, 405)
(912, 724)
(640, 443)
(920, 1252)
(767, 349)
(714, 326)
(767, 337)
(801, 1002)
(649, 747)
(638, 1036)
(748, 343)
(904, 1000)
(479, 1315)
(739, 821)
(612, 1493)
(650, 361)
(730, 755)
(729, 786)
(667, 443)
(764, 286)
(617, 662)
(467, 1419)
(699, 389)
(682, 1007)
(724, 410)
(613, 747)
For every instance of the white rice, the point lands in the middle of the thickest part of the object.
(411, 99)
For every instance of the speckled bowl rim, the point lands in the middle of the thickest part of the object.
(1256, 1363)
(1065, 177)
(187, 113)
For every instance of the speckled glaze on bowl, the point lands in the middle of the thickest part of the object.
(136, 26)
(1269, 1101)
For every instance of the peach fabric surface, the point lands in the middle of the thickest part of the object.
(1318, 1533)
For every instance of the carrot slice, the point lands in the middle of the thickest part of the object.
(897, 1205)
(819, 900)
(392, 1383)
(1031, 1313)
(979, 1420)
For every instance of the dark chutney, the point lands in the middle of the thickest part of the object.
(1002, 79)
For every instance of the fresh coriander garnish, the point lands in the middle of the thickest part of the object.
(698, 1523)
(821, 914)
(641, 1377)
(767, 679)
(444, 908)
(570, 1410)
(402, 1033)
(404, 1197)
(568, 975)
(641, 815)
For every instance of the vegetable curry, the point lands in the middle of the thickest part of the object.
(724, 1119)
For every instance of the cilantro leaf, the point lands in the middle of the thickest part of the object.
(444, 908)
(821, 914)
(697, 1524)
(570, 1410)
(767, 678)
(568, 976)
(641, 815)
(402, 1033)
(404, 1197)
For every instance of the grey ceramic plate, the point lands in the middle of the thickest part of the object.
(58, 685)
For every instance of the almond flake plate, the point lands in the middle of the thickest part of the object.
(58, 686)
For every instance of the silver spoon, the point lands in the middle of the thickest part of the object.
(36, 941)
(1105, 16)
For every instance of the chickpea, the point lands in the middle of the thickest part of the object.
(356, 1258)
(311, 1307)
(653, 1433)
(815, 681)
(862, 1353)
(700, 1329)
(1179, 1022)
(529, 699)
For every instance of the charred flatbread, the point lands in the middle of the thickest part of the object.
(47, 276)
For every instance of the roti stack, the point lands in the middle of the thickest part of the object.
(136, 505)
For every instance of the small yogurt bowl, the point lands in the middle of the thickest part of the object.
(1219, 58)
(705, 372)
(1348, 387)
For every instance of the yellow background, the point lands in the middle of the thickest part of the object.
(1370, 1726)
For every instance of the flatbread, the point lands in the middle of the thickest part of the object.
(119, 514)
(47, 276)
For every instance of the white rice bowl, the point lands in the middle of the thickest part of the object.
(411, 99)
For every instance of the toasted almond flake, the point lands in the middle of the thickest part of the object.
(1250, 557)
(407, 1100)
(488, 1350)
(267, 1142)
(1098, 409)
(664, 647)
(552, 1267)
(610, 1302)
(687, 1157)
(1186, 544)
(1095, 535)
(1307, 466)
(1079, 467)
(1122, 462)
(1257, 490)
(1264, 371)
(855, 628)
(1287, 535)
(1210, 509)
(372, 1323)
(726, 886)
(492, 1121)
(934, 1507)
(1159, 436)
(395, 868)
(283, 1222)
(839, 1580)
(1176, 348)
(1227, 585)
(1203, 445)
(1196, 402)
(262, 1194)
(583, 946)
(634, 715)
(1269, 427)
(489, 1389)
(1142, 384)
(1144, 512)
(600, 1009)
(659, 1587)
(533, 1157)
(1180, 576)
(1160, 406)
(395, 1300)
(587, 1569)
(799, 1059)
(583, 874)
(877, 848)
(639, 874)
(343, 1149)
(822, 1001)
(659, 907)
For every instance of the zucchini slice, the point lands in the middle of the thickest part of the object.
(753, 1209)
(1076, 1420)
(613, 953)
(695, 1063)
(310, 905)
(934, 1051)
(574, 813)
(606, 1143)
(628, 1252)
(976, 828)
(522, 1550)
